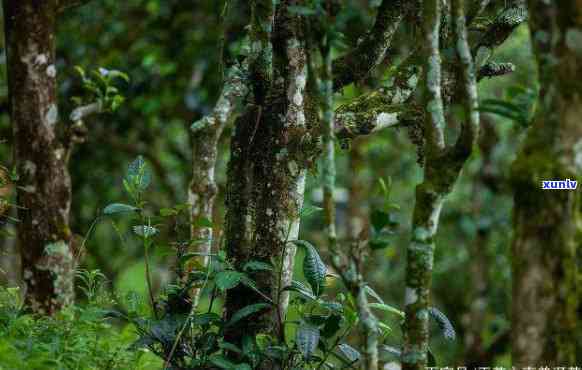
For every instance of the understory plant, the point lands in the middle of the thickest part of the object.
(316, 331)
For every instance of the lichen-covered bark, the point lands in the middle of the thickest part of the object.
(328, 168)
(44, 187)
(372, 50)
(442, 168)
(500, 29)
(266, 178)
(545, 291)
(205, 136)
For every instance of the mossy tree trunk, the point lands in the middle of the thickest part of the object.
(442, 167)
(266, 173)
(44, 187)
(41, 147)
(545, 291)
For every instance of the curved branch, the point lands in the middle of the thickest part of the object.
(372, 50)
(234, 90)
(353, 120)
(503, 25)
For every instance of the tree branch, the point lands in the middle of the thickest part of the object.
(64, 5)
(372, 50)
(470, 126)
(371, 114)
(493, 69)
(435, 116)
(503, 25)
(235, 88)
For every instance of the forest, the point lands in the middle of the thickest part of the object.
(291, 184)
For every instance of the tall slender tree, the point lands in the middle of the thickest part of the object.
(41, 147)
(545, 291)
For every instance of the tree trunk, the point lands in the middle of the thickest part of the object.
(44, 186)
(544, 246)
(442, 168)
(205, 140)
(266, 177)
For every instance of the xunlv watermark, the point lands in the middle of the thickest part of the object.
(560, 184)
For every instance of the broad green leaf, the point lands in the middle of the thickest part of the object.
(145, 231)
(115, 208)
(246, 311)
(227, 279)
(332, 325)
(300, 288)
(313, 267)
(307, 338)
(257, 266)
(349, 352)
(205, 319)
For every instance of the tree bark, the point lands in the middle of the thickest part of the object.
(205, 137)
(442, 168)
(266, 172)
(545, 291)
(44, 186)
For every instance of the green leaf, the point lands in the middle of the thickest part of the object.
(380, 240)
(300, 288)
(307, 338)
(118, 74)
(165, 212)
(243, 367)
(222, 362)
(301, 10)
(313, 267)
(443, 322)
(349, 352)
(379, 219)
(205, 319)
(230, 347)
(246, 311)
(115, 208)
(332, 325)
(227, 279)
(145, 231)
(387, 308)
(257, 266)
(432, 361)
(250, 283)
(138, 174)
(202, 222)
(308, 210)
